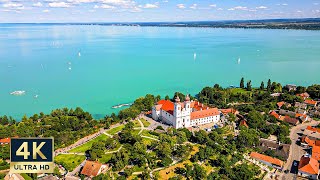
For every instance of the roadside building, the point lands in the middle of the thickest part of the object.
(280, 104)
(287, 113)
(270, 161)
(4, 141)
(275, 94)
(312, 133)
(290, 120)
(281, 150)
(308, 167)
(92, 169)
(310, 102)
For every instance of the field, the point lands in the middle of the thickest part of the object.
(115, 130)
(147, 133)
(105, 158)
(83, 148)
(145, 122)
(136, 124)
(69, 161)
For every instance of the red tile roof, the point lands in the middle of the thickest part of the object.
(290, 120)
(308, 165)
(197, 105)
(310, 101)
(227, 111)
(303, 95)
(204, 113)
(313, 129)
(265, 158)
(276, 115)
(316, 152)
(167, 106)
(243, 123)
(279, 104)
(91, 168)
(5, 141)
(307, 140)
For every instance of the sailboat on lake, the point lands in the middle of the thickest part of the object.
(239, 60)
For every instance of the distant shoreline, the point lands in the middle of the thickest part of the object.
(292, 24)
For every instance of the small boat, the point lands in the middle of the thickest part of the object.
(79, 54)
(239, 61)
(36, 96)
(194, 56)
(69, 63)
(121, 105)
(18, 93)
(69, 68)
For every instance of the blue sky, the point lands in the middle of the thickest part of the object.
(153, 10)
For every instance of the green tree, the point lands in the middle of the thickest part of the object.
(262, 85)
(249, 87)
(269, 85)
(167, 97)
(242, 83)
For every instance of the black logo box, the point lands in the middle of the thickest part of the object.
(47, 149)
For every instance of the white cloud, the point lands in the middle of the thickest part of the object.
(38, 4)
(284, 4)
(243, 8)
(13, 6)
(219, 9)
(106, 6)
(181, 6)
(261, 7)
(46, 11)
(135, 10)
(299, 11)
(59, 5)
(194, 6)
(150, 6)
(316, 4)
(96, 6)
(165, 1)
(213, 5)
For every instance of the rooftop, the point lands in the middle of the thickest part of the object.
(91, 168)
(265, 158)
(308, 165)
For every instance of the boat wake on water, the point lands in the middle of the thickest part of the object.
(121, 105)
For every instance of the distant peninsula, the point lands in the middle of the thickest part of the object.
(303, 24)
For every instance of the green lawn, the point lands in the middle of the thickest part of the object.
(145, 122)
(83, 148)
(147, 133)
(136, 124)
(69, 161)
(136, 131)
(105, 158)
(115, 130)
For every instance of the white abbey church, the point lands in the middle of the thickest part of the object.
(184, 114)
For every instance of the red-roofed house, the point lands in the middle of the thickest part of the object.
(4, 141)
(227, 111)
(270, 161)
(244, 123)
(184, 114)
(304, 95)
(92, 169)
(311, 102)
(276, 115)
(308, 167)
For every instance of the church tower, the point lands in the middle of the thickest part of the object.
(177, 108)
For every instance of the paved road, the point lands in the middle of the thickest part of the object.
(77, 169)
(154, 123)
(296, 151)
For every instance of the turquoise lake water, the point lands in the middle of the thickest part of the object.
(119, 64)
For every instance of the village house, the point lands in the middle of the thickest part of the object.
(287, 113)
(243, 123)
(313, 145)
(270, 161)
(304, 95)
(290, 120)
(312, 133)
(291, 87)
(92, 169)
(230, 110)
(308, 167)
(184, 114)
(4, 141)
(276, 115)
(299, 105)
(310, 102)
(280, 149)
(283, 104)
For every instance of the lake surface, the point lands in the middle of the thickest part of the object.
(119, 64)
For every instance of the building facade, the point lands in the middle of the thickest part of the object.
(184, 114)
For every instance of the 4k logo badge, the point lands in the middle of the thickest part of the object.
(31, 155)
